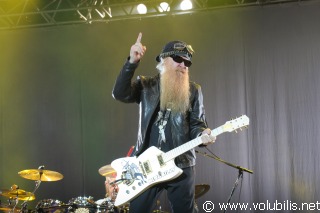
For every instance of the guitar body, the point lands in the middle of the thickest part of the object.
(137, 174)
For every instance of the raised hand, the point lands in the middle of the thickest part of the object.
(137, 50)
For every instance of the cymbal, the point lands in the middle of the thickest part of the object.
(39, 174)
(18, 193)
(201, 189)
(107, 171)
(6, 208)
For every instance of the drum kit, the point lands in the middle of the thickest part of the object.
(75, 205)
(15, 194)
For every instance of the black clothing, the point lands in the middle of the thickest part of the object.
(177, 190)
(180, 128)
(146, 92)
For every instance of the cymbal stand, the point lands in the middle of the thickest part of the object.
(16, 201)
(240, 169)
(25, 204)
(37, 185)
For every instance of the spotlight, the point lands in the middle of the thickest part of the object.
(164, 7)
(186, 5)
(142, 9)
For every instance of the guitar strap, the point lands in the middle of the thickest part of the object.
(161, 122)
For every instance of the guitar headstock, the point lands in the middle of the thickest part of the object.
(235, 124)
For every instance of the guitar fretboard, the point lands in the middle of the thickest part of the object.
(189, 145)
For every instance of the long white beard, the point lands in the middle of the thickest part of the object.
(175, 90)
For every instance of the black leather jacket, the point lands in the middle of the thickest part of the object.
(145, 91)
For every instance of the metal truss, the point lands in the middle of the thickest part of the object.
(17, 14)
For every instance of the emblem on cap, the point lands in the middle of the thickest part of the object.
(179, 48)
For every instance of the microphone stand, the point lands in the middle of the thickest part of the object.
(240, 174)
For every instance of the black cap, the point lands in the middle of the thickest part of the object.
(179, 48)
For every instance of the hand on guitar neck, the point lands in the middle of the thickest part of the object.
(208, 139)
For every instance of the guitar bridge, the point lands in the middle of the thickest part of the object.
(127, 178)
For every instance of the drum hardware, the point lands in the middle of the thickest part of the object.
(51, 205)
(201, 189)
(40, 174)
(7, 208)
(82, 205)
(18, 194)
(15, 194)
(105, 205)
(79, 205)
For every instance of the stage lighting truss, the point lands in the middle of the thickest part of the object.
(16, 14)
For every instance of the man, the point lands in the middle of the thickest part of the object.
(111, 187)
(107, 203)
(111, 194)
(171, 114)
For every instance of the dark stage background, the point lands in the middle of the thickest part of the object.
(56, 107)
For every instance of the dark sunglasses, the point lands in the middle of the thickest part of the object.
(179, 60)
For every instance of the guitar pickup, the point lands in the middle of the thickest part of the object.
(160, 159)
(147, 167)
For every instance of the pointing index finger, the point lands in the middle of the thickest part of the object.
(139, 38)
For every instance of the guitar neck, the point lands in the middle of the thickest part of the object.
(189, 145)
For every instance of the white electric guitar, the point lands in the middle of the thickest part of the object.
(137, 174)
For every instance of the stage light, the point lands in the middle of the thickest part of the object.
(142, 9)
(186, 5)
(164, 7)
